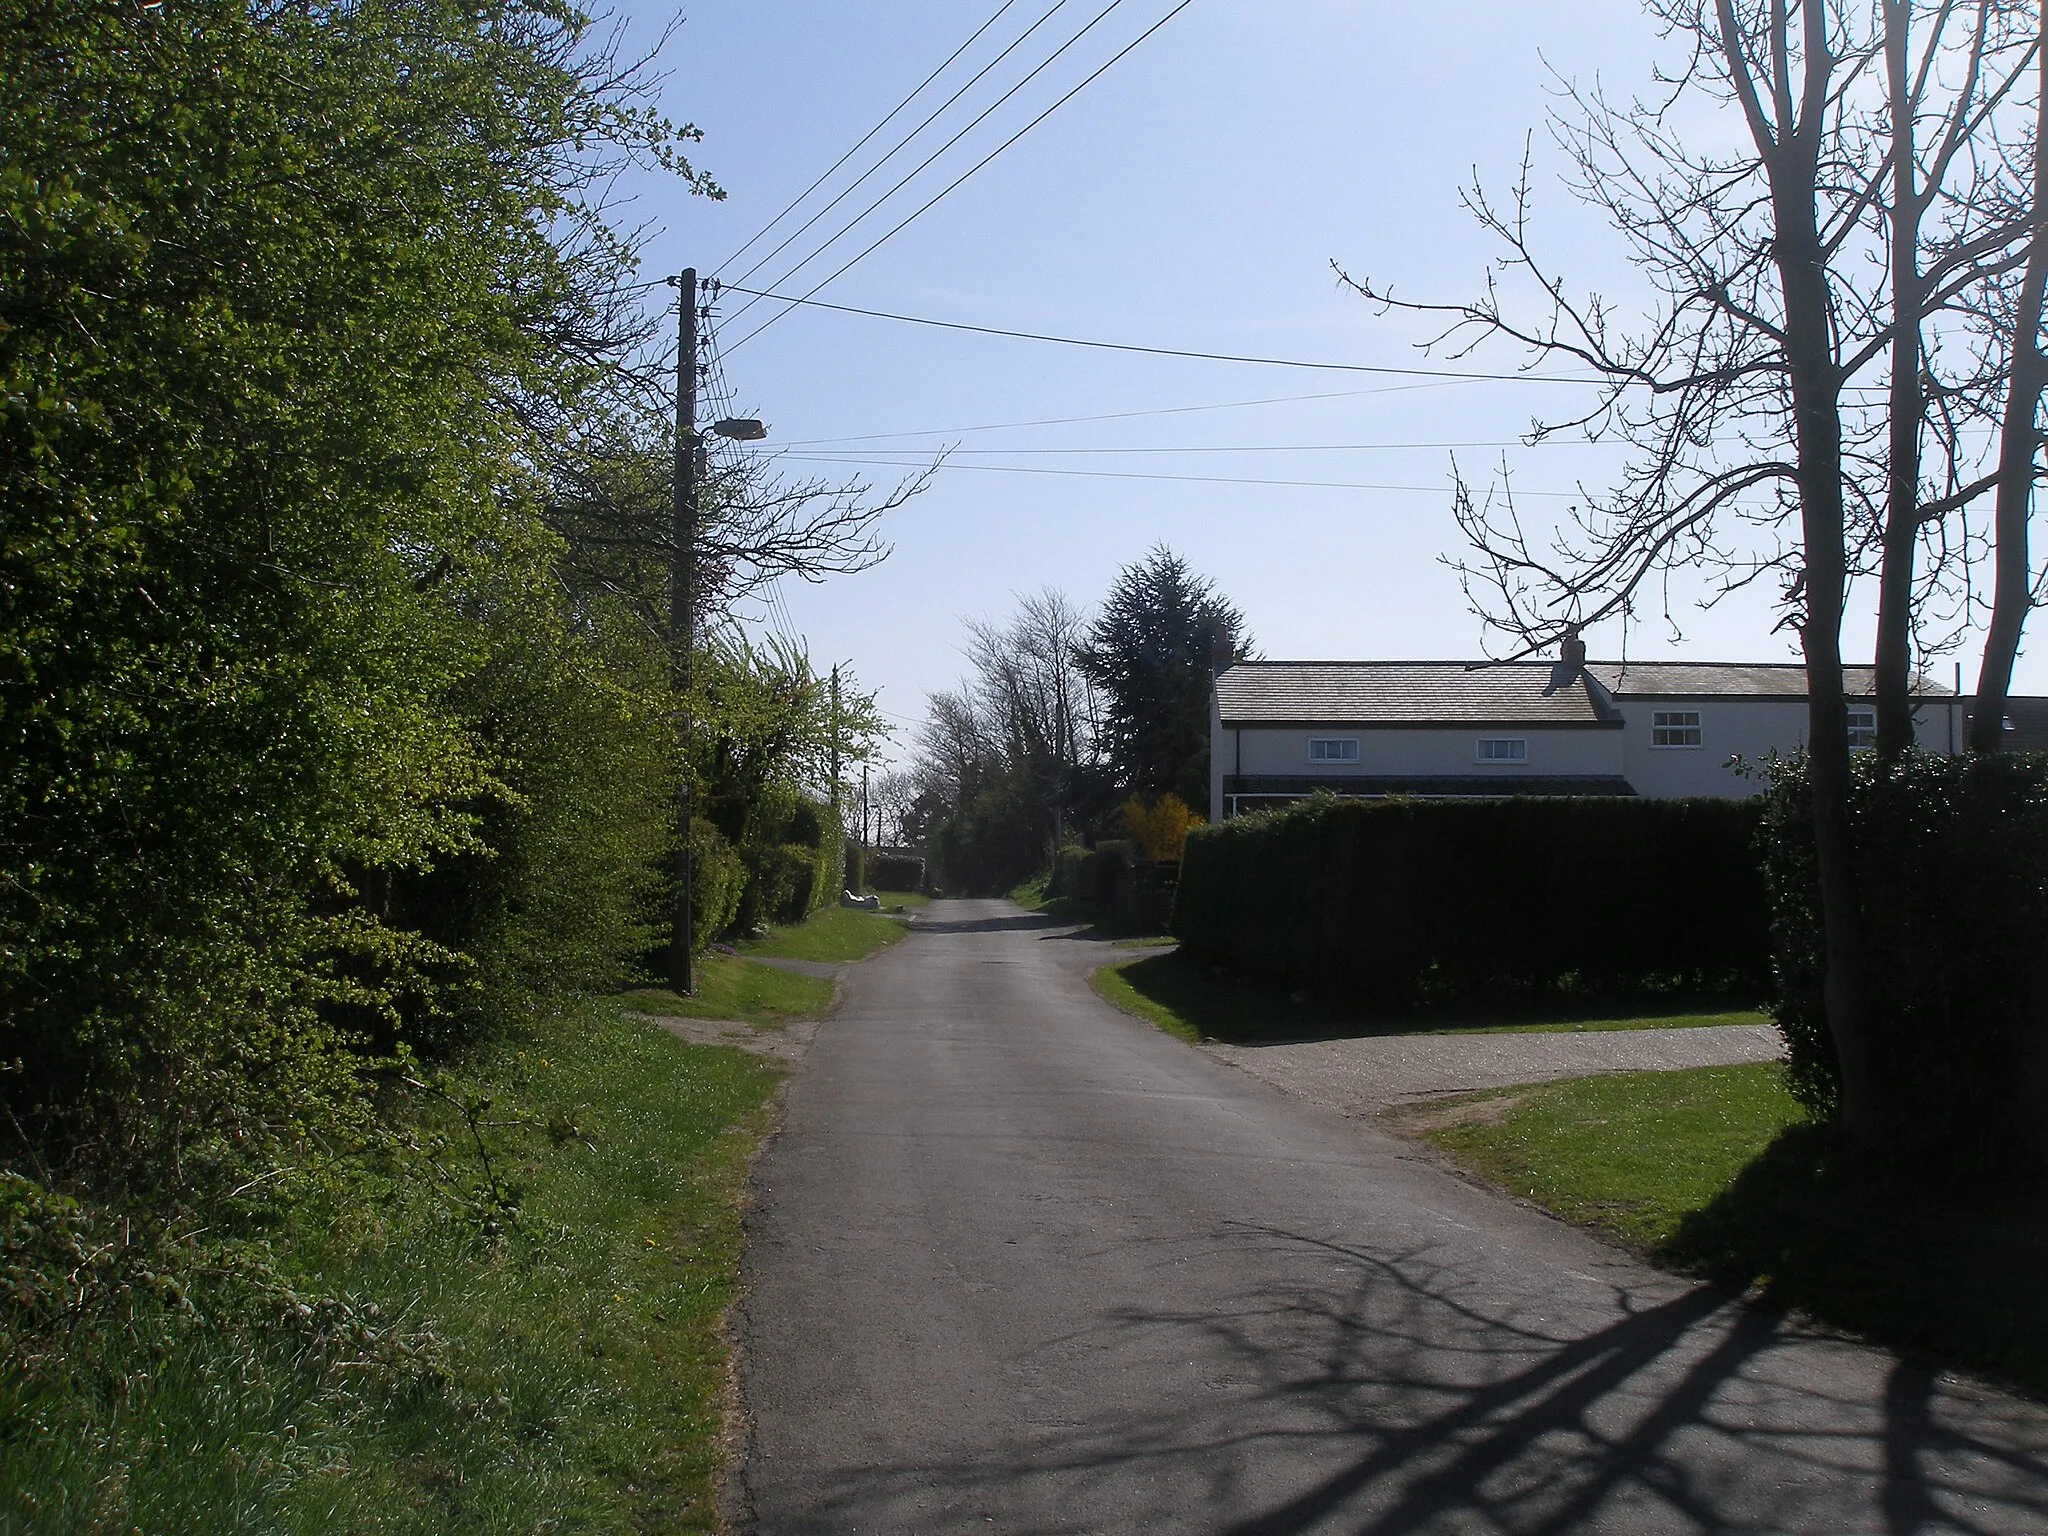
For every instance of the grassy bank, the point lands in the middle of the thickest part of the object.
(902, 901)
(834, 935)
(1188, 1000)
(1715, 1172)
(731, 987)
(451, 1366)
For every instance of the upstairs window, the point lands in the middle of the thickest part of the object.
(1862, 729)
(1675, 728)
(1503, 749)
(1333, 749)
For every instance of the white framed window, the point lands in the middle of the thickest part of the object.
(1333, 749)
(1862, 729)
(1675, 728)
(1503, 749)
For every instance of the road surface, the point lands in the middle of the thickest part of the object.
(1019, 1263)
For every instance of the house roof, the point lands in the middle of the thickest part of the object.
(1398, 693)
(1405, 693)
(1733, 679)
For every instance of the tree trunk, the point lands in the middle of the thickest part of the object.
(1902, 513)
(2019, 436)
(1790, 150)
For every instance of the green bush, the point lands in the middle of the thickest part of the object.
(895, 872)
(1952, 867)
(718, 879)
(1065, 878)
(1088, 875)
(1396, 904)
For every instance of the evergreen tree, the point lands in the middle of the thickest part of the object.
(1151, 655)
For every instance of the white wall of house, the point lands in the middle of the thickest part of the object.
(1728, 727)
(1422, 751)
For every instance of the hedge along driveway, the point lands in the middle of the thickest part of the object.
(1399, 903)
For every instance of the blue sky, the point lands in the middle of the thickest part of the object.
(1195, 197)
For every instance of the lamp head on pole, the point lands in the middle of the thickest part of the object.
(741, 429)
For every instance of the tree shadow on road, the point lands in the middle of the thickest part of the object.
(1371, 1396)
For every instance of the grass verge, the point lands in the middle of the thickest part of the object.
(563, 1370)
(834, 935)
(1185, 999)
(1714, 1171)
(902, 901)
(731, 987)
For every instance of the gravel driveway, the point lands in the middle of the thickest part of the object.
(1363, 1077)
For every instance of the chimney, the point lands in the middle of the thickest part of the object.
(1222, 652)
(1571, 650)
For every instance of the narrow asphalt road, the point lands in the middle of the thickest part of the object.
(1019, 1263)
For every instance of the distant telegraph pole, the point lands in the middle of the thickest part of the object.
(683, 617)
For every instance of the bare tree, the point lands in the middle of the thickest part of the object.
(2019, 433)
(607, 497)
(1783, 270)
(1003, 759)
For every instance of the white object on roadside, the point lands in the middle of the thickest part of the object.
(865, 903)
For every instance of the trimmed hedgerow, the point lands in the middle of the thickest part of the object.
(1397, 904)
(1952, 866)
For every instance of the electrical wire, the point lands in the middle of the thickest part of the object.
(1219, 448)
(971, 170)
(903, 143)
(1125, 346)
(1164, 410)
(1130, 474)
(797, 201)
(958, 134)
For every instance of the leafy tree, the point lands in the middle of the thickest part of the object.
(284, 292)
(1152, 653)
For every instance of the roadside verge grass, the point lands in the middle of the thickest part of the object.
(902, 901)
(457, 1367)
(731, 987)
(1714, 1171)
(1184, 998)
(835, 935)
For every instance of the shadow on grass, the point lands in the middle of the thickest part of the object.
(1196, 1002)
(1955, 1273)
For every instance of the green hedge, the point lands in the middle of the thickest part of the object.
(1403, 903)
(718, 878)
(895, 872)
(1952, 865)
(1088, 875)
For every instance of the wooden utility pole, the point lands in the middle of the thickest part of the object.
(683, 618)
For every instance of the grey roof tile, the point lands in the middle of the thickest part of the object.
(1397, 693)
(1404, 693)
(1735, 679)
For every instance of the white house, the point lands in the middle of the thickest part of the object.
(1282, 729)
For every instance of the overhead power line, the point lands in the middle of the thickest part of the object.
(1208, 448)
(1131, 474)
(1163, 410)
(903, 143)
(954, 185)
(1125, 346)
(958, 134)
(797, 201)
